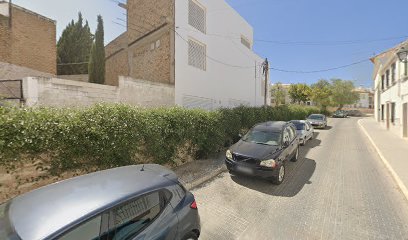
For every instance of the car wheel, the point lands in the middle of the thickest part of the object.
(296, 156)
(191, 236)
(281, 175)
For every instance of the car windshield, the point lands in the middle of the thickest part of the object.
(6, 230)
(316, 117)
(299, 125)
(263, 137)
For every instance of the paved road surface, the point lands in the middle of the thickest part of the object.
(339, 189)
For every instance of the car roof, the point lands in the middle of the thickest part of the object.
(55, 208)
(321, 115)
(298, 121)
(271, 126)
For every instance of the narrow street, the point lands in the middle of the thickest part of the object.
(339, 189)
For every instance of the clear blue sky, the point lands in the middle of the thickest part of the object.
(321, 27)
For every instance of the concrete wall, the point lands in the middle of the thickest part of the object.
(80, 77)
(219, 85)
(12, 72)
(30, 42)
(56, 92)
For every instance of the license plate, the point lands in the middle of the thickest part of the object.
(245, 170)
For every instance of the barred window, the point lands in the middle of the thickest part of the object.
(197, 54)
(245, 42)
(196, 16)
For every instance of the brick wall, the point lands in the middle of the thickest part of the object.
(30, 42)
(116, 60)
(148, 52)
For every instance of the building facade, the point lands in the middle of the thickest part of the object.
(204, 52)
(366, 99)
(27, 43)
(391, 91)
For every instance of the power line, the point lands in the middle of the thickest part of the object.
(319, 71)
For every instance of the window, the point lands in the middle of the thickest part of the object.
(133, 216)
(245, 42)
(387, 77)
(196, 16)
(292, 132)
(197, 54)
(86, 231)
(286, 135)
(382, 82)
(393, 68)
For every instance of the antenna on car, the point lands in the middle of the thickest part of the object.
(142, 170)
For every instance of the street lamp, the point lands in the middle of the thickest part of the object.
(403, 55)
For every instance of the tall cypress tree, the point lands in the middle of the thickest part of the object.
(73, 48)
(97, 61)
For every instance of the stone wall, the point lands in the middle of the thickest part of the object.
(30, 42)
(79, 77)
(56, 92)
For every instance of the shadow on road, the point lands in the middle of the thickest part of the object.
(298, 175)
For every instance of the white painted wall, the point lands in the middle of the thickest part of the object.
(219, 85)
(397, 93)
(54, 92)
(4, 9)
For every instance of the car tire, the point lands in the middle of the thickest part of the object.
(296, 156)
(190, 236)
(278, 180)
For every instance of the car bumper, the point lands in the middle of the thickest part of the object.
(318, 125)
(255, 171)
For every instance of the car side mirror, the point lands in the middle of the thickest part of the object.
(240, 135)
(286, 144)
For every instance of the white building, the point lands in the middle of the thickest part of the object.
(366, 99)
(391, 91)
(202, 47)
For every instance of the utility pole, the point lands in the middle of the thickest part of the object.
(266, 73)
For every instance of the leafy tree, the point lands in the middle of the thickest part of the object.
(321, 94)
(299, 93)
(343, 93)
(97, 62)
(278, 93)
(73, 48)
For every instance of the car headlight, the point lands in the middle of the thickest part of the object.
(228, 155)
(271, 163)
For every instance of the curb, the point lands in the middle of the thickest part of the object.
(397, 179)
(206, 178)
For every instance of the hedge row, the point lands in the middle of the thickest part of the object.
(106, 136)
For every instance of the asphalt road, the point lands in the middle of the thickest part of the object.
(339, 189)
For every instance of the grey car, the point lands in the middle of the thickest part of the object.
(133, 202)
(304, 130)
(317, 120)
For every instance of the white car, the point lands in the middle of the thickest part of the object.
(304, 130)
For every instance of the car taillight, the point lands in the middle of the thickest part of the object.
(193, 205)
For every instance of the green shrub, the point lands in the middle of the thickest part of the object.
(106, 136)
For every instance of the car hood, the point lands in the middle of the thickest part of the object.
(253, 150)
(300, 132)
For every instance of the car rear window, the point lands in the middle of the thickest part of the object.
(6, 229)
(299, 125)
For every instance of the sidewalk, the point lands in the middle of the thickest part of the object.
(392, 149)
(198, 172)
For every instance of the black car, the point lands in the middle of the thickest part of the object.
(133, 202)
(264, 150)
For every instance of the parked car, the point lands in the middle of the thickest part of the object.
(340, 114)
(355, 113)
(264, 150)
(317, 120)
(304, 130)
(133, 202)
